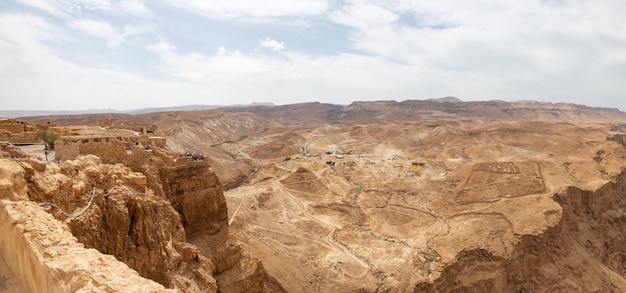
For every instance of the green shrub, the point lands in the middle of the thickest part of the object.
(48, 138)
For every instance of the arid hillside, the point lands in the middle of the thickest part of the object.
(434, 206)
(210, 131)
(423, 196)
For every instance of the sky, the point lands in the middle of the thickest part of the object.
(132, 54)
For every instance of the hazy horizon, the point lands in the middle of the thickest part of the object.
(74, 55)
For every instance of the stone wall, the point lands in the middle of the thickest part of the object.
(66, 150)
(13, 125)
(42, 253)
(112, 150)
(15, 128)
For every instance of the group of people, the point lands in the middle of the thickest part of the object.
(194, 156)
(146, 146)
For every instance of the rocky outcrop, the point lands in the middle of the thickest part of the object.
(145, 232)
(596, 221)
(111, 207)
(583, 252)
(12, 182)
(191, 186)
(196, 194)
(125, 220)
(620, 138)
(8, 150)
(45, 257)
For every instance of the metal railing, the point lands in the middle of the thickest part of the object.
(20, 141)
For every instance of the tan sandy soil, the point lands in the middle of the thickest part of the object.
(367, 222)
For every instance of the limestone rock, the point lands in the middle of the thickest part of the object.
(34, 242)
(195, 192)
(12, 182)
(140, 214)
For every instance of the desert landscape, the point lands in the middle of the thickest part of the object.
(416, 196)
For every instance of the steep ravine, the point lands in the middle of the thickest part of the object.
(584, 252)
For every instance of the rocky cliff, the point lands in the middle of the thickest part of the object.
(196, 194)
(111, 208)
(584, 251)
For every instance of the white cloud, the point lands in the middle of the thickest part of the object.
(272, 44)
(67, 9)
(95, 28)
(497, 49)
(243, 78)
(254, 10)
(51, 7)
(130, 32)
(36, 78)
(363, 16)
(566, 51)
(20, 38)
(92, 4)
(136, 7)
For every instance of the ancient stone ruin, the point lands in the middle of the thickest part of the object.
(112, 215)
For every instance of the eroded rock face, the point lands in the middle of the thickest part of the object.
(111, 208)
(196, 193)
(125, 220)
(596, 221)
(47, 258)
(192, 187)
(583, 252)
(145, 232)
(12, 182)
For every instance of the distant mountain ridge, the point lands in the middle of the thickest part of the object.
(445, 108)
(447, 100)
(363, 111)
(34, 113)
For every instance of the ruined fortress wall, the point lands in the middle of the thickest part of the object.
(66, 150)
(45, 257)
(19, 254)
(12, 125)
(115, 150)
(159, 141)
(164, 157)
(20, 126)
(110, 151)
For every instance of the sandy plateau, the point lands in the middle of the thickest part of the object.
(390, 205)
(371, 197)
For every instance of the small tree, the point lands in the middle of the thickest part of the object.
(48, 138)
